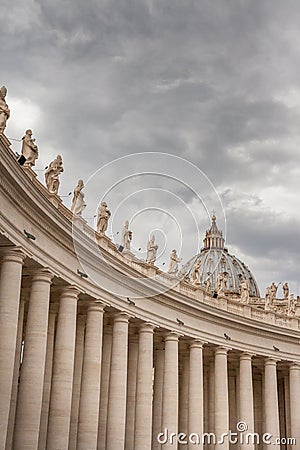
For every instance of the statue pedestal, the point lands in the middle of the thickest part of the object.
(103, 241)
(78, 222)
(54, 199)
(128, 255)
(29, 172)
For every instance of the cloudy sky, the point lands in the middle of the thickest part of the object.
(214, 82)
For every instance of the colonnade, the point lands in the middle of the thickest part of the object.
(75, 374)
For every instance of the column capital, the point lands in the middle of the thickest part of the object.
(96, 305)
(197, 343)
(172, 336)
(121, 316)
(246, 356)
(271, 361)
(294, 366)
(222, 350)
(147, 328)
(70, 291)
(43, 274)
(13, 254)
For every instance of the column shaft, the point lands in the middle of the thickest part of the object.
(246, 396)
(170, 390)
(63, 369)
(294, 372)
(271, 401)
(47, 379)
(116, 416)
(196, 392)
(184, 373)
(143, 405)
(14, 393)
(90, 384)
(30, 394)
(105, 371)
(221, 397)
(133, 350)
(159, 360)
(10, 287)
(78, 362)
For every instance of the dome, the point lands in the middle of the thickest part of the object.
(214, 258)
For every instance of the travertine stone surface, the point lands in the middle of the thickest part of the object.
(30, 395)
(63, 369)
(10, 286)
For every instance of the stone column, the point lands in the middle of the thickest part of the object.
(10, 287)
(196, 391)
(143, 404)
(63, 369)
(246, 396)
(47, 378)
(170, 390)
(271, 401)
(183, 410)
(294, 372)
(116, 416)
(90, 383)
(105, 371)
(30, 394)
(232, 404)
(14, 393)
(159, 360)
(211, 396)
(221, 397)
(133, 350)
(79, 345)
(287, 407)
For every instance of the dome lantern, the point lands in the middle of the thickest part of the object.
(214, 237)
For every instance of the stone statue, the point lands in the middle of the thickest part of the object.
(4, 109)
(173, 265)
(291, 308)
(221, 283)
(103, 217)
(126, 237)
(29, 149)
(52, 175)
(78, 203)
(151, 250)
(268, 299)
(195, 272)
(207, 285)
(245, 291)
(273, 292)
(286, 291)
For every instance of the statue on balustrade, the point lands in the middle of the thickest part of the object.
(291, 308)
(221, 282)
(126, 237)
(195, 272)
(4, 109)
(173, 264)
(286, 291)
(273, 292)
(29, 149)
(103, 218)
(151, 250)
(52, 175)
(268, 299)
(245, 291)
(78, 203)
(207, 285)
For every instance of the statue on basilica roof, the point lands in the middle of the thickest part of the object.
(103, 218)
(126, 237)
(173, 264)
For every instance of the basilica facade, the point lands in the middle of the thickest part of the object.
(140, 359)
